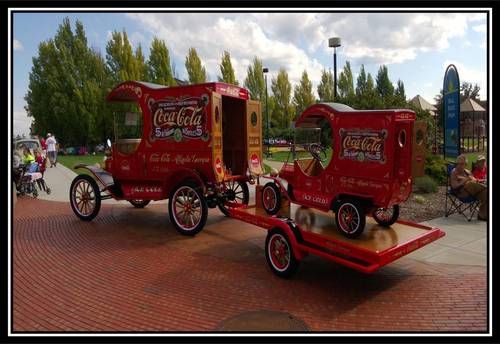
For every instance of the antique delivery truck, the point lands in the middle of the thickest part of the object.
(189, 144)
(347, 164)
(369, 170)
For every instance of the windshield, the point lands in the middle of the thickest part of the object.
(128, 125)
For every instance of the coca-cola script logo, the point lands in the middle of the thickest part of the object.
(180, 118)
(363, 145)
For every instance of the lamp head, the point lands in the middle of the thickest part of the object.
(334, 42)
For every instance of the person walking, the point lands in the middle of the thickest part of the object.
(51, 149)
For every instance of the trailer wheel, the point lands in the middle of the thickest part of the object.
(139, 203)
(236, 192)
(350, 218)
(271, 198)
(187, 208)
(85, 197)
(279, 254)
(386, 216)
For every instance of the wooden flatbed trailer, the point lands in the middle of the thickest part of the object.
(297, 231)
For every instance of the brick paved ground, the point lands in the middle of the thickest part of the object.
(128, 270)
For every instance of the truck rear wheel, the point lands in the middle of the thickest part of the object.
(85, 197)
(350, 218)
(236, 191)
(139, 203)
(386, 216)
(271, 198)
(187, 208)
(279, 254)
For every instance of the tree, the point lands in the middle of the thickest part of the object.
(325, 87)
(121, 61)
(400, 95)
(366, 94)
(282, 91)
(303, 95)
(346, 86)
(227, 70)
(254, 81)
(469, 91)
(67, 87)
(159, 69)
(142, 67)
(196, 72)
(384, 87)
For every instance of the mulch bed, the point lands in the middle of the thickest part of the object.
(431, 207)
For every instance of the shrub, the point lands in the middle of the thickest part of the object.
(425, 184)
(435, 167)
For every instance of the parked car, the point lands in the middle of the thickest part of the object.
(30, 143)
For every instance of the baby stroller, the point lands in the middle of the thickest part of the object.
(27, 179)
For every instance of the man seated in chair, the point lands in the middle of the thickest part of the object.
(464, 184)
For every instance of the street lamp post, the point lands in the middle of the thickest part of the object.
(265, 71)
(334, 42)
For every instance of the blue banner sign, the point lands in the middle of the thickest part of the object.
(451, 112)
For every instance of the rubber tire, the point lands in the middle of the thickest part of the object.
(97, 193)
(277, 192)
(391, 221)
(246, 197)
(293, 263)
(35, 192)
(362, 219)
(139, 204)
(203, 204)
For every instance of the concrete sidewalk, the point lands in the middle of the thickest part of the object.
(465, 242)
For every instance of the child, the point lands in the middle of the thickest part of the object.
(28, 160)
(40, 160)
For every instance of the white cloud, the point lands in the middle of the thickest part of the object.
(290, 40)
(242, 35)
(18, 45)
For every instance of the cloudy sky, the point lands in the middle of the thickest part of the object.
(416, 47)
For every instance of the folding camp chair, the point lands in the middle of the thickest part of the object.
(467, 206)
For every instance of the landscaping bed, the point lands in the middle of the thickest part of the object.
(424, 206)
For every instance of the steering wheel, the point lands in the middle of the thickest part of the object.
(317, 151)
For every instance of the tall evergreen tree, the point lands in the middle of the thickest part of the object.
(121, 60)
(226, 69)
(400, 95)
(254, 81)
(142, 67)
(384, 87)
(159, 69)
(282, 92)
(325, 87)
(346, 85)
(196, 72)
(303, 95)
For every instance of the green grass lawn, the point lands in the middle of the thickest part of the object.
(71, 160)
(282, 156)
